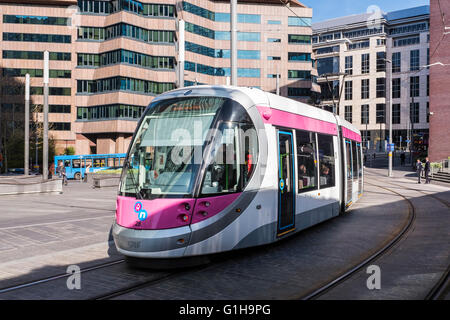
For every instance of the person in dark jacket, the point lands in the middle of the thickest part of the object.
(419, 168)
(427, 170)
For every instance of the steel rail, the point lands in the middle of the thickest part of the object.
(353, 270)
(58, 276)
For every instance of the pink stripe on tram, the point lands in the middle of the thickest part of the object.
(296, 121)
(349, 134)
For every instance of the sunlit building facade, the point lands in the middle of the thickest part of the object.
(354, 75)
(109, 59)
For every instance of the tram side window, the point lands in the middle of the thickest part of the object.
(222, 174)
(326, 161)
(355, 160)
(234, 156)
(306, 161)
(348, 144)
(67, 163)
(358, 148)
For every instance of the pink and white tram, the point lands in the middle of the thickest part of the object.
(216, 168)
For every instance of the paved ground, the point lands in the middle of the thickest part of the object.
(40, 235)
(54, 230)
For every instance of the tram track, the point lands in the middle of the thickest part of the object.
(439, 289)
(437, 292)
(58, 276)
(145, 284)
(446, 203)
(326, 287)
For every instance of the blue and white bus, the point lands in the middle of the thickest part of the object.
(76, 165)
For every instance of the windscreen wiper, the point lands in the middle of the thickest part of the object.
(136, 187)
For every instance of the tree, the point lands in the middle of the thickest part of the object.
(12, 125)
(69, 151)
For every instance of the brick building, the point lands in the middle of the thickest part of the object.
(439, 80)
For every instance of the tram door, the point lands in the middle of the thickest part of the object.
(348, 153)
(286, 185)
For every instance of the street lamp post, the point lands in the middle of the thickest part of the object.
(45, 137)
(233, 40)
(390, 117)
(27, 125)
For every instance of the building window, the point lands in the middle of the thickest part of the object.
(114, 111)
(58, 21)
(273, 40)
(123, 84)
(299, 92)
(349, 65)
(327, 65)
(381, 61)
(273, 58)
(409, 28)
(348, 113)
(414, 62)
(406, 41)
(381, 87)
(38, 73)
(365, 63)
(326, 50)
(428, 112)
(365, 89)
(414, 87)
(428, 85)
(381, 42)
(59, 126)
(299, 39)
(396, 88)
(326, 161)
(306, 161)
(299, 56)
(381, 111)
(396, 62)
(299, 22)
(414, 112)
(36, 37)
(299, 74)
(396, 113)
(365, 114)
(273, 22)
(358, 45)
(348, 90)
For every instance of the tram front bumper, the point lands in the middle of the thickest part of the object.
(164, 243)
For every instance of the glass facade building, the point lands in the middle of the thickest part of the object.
(110, 58)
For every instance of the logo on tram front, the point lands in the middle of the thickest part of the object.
(138, 208)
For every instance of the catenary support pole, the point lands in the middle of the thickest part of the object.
(181, 51)
(27, 125)
(233, 23)
(45, 137)
(390, 119)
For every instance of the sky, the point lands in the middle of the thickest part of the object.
(329, 9)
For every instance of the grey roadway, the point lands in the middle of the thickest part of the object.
(40, 235)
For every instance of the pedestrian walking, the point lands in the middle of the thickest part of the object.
(88, 169)
(62, 173)
(427, 170)
(419, 169)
